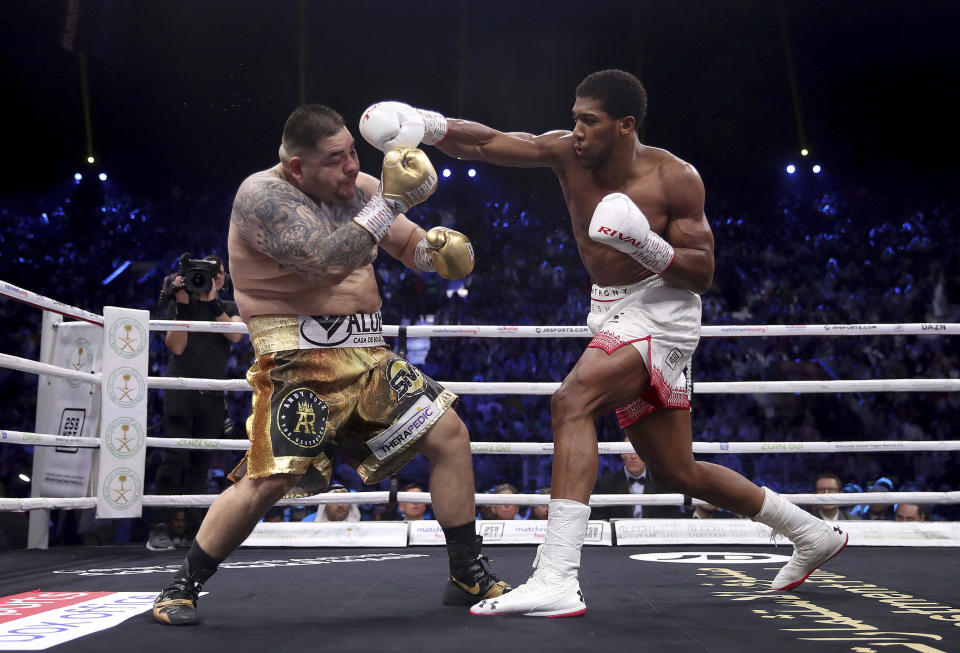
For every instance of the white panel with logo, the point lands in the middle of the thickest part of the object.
(123, 428)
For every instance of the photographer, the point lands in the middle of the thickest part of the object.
(192, 294)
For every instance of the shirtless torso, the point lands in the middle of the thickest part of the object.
(273, 232)
(589, 166)
(644, 180)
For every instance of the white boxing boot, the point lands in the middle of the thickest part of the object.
(814, 540)
(554, 588)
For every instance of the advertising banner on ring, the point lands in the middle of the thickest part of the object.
(123, 427)
(68, 407)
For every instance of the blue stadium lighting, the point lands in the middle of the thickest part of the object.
(471, 172)
(77, 177)
(791, 169)
(116, 273)
(447, 172)
(102, 176)
(816, 169)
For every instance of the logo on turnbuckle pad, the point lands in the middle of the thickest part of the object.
(302, 418)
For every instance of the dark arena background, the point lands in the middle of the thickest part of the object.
(825, 134)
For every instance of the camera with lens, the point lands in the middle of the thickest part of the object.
(197, 274)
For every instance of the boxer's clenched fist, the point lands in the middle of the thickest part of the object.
(389, 125)
(408, 178)
(620, 223)
(451, 252)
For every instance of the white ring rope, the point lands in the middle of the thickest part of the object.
(495, 331)
(731, 387)
(46, 439)
(379, 497)
(528, 448)
(39, 301)
(499, 331)
(559, 331)
(201, 327)
(531, 388)
(27, 365)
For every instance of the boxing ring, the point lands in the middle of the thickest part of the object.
(674, 585)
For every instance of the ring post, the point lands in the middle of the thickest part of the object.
(38, 531)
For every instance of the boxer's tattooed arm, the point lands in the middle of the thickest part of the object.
(290, 228)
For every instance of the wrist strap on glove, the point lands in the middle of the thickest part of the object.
(434, 126)
(655, 254)
(421, 257)
(377, 215)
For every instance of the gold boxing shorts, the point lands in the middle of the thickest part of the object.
(364, 404)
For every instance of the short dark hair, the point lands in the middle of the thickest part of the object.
(308, 124)
(921, 509)
(215, 258)
(829, 475)
(620, 93)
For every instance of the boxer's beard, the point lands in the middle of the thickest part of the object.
(595, 162)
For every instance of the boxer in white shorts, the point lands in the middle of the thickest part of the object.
(637, 214)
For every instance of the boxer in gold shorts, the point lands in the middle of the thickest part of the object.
(302, 240)
(365, 405)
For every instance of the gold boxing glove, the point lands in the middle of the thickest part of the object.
(408, 178)
(451, 252)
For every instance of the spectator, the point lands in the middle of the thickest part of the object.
(632, 478)
(275, 514)
(880, 511)
(298, 513)
(830, 483)
(910, 512)
(178, 528)
(412, 511)
(339, 511)
(541, 512)
(505, 511)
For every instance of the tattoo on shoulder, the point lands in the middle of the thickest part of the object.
(287, 225)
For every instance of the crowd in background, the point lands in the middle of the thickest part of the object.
(815, 257)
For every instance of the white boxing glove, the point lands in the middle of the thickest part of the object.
(389, 125)
(620, 223)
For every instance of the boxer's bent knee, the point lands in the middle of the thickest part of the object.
(569, 403)
(448, 434)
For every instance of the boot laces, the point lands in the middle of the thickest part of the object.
(183, 588)
(481, 571)
(545, 570)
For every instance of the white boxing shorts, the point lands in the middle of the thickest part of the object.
(663, 324)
